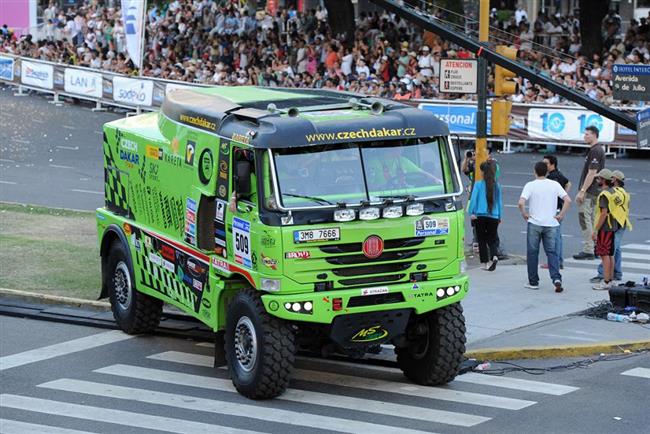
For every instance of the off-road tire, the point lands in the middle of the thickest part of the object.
(142, 313)
(439, 362)
(268, 376)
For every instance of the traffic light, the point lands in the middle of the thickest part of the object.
(500, 117)
(504, 83)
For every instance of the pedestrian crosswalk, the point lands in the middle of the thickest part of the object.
(178, 391)
(635, 260)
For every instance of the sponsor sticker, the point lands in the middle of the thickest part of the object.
(190, 150)
(155, 259)
(427, 226)
(301, 254)
(197, 284)
(269, 262)
(375, 291)
(221, 209)
(220, 264)
(241, 240)
(168, 265)
(369, 334)
(154, 152)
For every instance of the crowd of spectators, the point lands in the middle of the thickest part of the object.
(213, 42)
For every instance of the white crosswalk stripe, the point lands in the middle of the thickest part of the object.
(221, 407)
(638, 372)
(8, 426)
(374, 399)
(119, 417)
(316, 398)
(636, 247)
(410, 389)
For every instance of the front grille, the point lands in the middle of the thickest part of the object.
(371, 269)
(373, 300)
(398, 243)
(362, 259)
(372, 279)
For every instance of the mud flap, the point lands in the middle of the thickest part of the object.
(371, 328)
(219, 353)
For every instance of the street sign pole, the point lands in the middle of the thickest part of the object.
(481, 114)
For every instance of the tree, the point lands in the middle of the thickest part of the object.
(592, 13)
(340, 16)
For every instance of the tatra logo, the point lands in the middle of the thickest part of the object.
(369, 334)
(241, 138)
(373, 247)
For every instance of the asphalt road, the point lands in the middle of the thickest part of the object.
(82, 379)
(52, 156)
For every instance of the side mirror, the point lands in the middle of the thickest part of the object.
(243, 178)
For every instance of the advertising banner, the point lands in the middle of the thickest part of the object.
(37, 74)
(132, 17)
(82, 82)
(561, 124)
(6, 68)
(461, 119)
(132, 91)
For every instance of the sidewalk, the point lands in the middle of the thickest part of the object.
(503, 315)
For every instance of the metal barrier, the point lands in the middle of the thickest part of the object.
(560, 125)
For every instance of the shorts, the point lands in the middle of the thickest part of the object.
(604, 243)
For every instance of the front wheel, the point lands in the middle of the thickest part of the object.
(260, 348)
(436, 345)
(133, 311)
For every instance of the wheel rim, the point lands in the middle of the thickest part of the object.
(122, 286)
(420, 343)
(245, 344)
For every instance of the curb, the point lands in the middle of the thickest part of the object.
(549, 352)
(56, 300)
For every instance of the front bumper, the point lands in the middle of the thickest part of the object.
(421, 297)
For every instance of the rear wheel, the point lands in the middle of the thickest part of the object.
(133, 311)
(260, 348)
(436, 345)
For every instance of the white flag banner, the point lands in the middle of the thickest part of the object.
(132, 17)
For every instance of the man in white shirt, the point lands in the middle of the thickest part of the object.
(543, 221)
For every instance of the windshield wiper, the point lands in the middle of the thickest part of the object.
(397, 196)
(318, 200)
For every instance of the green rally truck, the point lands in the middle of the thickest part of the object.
(288, 219)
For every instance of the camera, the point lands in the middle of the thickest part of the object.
(469, 154)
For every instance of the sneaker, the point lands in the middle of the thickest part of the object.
(584, 255)
(475, 247)
(531, 286)
(595, 279)
(493, 265)
(544, 266)
(558, 286)
(503, 256)
(602, 286)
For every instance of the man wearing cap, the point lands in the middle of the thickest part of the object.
(605, 227)
(621, 213)
(588, 191)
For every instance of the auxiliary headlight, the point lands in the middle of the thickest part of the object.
(344, 215)
(369, 214)
(415, 209)
(270, 285)
(393, 212)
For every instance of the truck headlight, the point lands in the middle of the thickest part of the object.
(369, 214)
(270, 285)
(344, 215)
(393, 212)
(415, 209)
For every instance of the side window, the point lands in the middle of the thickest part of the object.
(244, 176)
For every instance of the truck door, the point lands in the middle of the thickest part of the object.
(243, 214)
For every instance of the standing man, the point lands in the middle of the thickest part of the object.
(588, 191)
(554, 174)
(621, 212)
(543, 221)
(605, 227)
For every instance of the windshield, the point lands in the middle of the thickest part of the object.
(356, 172)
